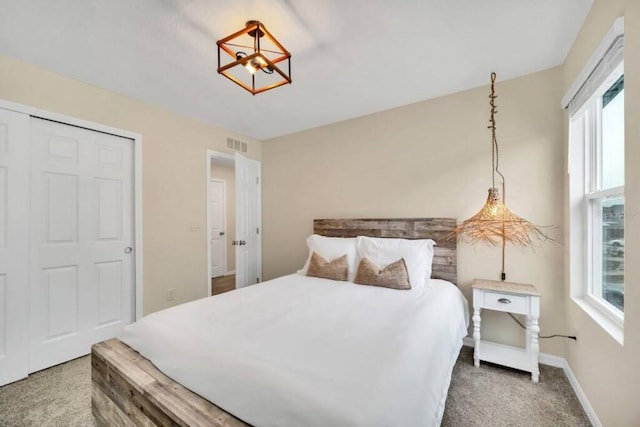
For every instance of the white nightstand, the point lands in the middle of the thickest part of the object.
(515, 298)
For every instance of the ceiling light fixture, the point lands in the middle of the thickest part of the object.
(265, 53)
(494, 223)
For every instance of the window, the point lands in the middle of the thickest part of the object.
(596, 188)
(604, 197)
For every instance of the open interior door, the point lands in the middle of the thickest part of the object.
(247, 238)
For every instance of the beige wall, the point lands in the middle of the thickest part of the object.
(228, 174)
(608, 372)
(432, 158)
(174, 171)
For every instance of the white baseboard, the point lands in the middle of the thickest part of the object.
(561, 362)
(552, 360)
(468, 342)
(591, 414)
(229, 273)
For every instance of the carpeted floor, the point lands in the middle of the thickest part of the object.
(58, 396)
(499, 397)
(488, 396)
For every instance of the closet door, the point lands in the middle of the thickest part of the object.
(81, 238)
(14, 245)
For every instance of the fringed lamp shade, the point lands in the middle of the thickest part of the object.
(495, 224)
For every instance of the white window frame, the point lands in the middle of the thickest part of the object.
(585, 192)
(592, 111)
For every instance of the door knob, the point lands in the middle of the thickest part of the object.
(242, 243)
(235, 242)
(222, 233)
(128, 250)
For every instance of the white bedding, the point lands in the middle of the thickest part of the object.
(302, 351)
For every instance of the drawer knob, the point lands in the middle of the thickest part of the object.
(504, 300)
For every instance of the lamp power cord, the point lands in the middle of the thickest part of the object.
(572, 337)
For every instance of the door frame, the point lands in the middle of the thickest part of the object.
(226, 271)
(137, 180)
(217, 155)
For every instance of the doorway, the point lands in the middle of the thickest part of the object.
(233, 222)
(221, 209)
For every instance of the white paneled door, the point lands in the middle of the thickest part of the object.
(247, 216)
(82, 261)
(217, 201)
(14, 245)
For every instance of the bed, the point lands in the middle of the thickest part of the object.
(294, 351)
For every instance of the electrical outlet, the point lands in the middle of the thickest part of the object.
(171, 294)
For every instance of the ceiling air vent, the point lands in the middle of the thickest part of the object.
(237, 145)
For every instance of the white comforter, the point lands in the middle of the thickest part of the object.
(301, 351)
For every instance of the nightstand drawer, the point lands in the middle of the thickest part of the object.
(505, 302)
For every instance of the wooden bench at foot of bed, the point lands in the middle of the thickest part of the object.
(127, 390)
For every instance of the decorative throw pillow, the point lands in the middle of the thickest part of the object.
(332, 248)
(394, 275)
(338, 269)
(417, 254)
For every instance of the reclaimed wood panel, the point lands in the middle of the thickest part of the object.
(445, 259)
(128, 390)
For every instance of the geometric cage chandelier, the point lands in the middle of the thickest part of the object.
(253, 59)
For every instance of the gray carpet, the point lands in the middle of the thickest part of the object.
(58, 396)
(498, 397)
(488, 396)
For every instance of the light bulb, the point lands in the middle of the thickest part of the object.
(251, 67)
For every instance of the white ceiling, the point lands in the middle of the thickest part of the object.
(349, 58)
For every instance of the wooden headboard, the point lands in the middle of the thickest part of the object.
(445, 265)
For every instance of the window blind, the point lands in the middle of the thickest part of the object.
(607, 56)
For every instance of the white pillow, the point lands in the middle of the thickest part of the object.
(417, 254)
(332, 248)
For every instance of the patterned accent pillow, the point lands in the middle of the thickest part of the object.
(394, 275)
(338, 269)
(332, 248)
(417, 254)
